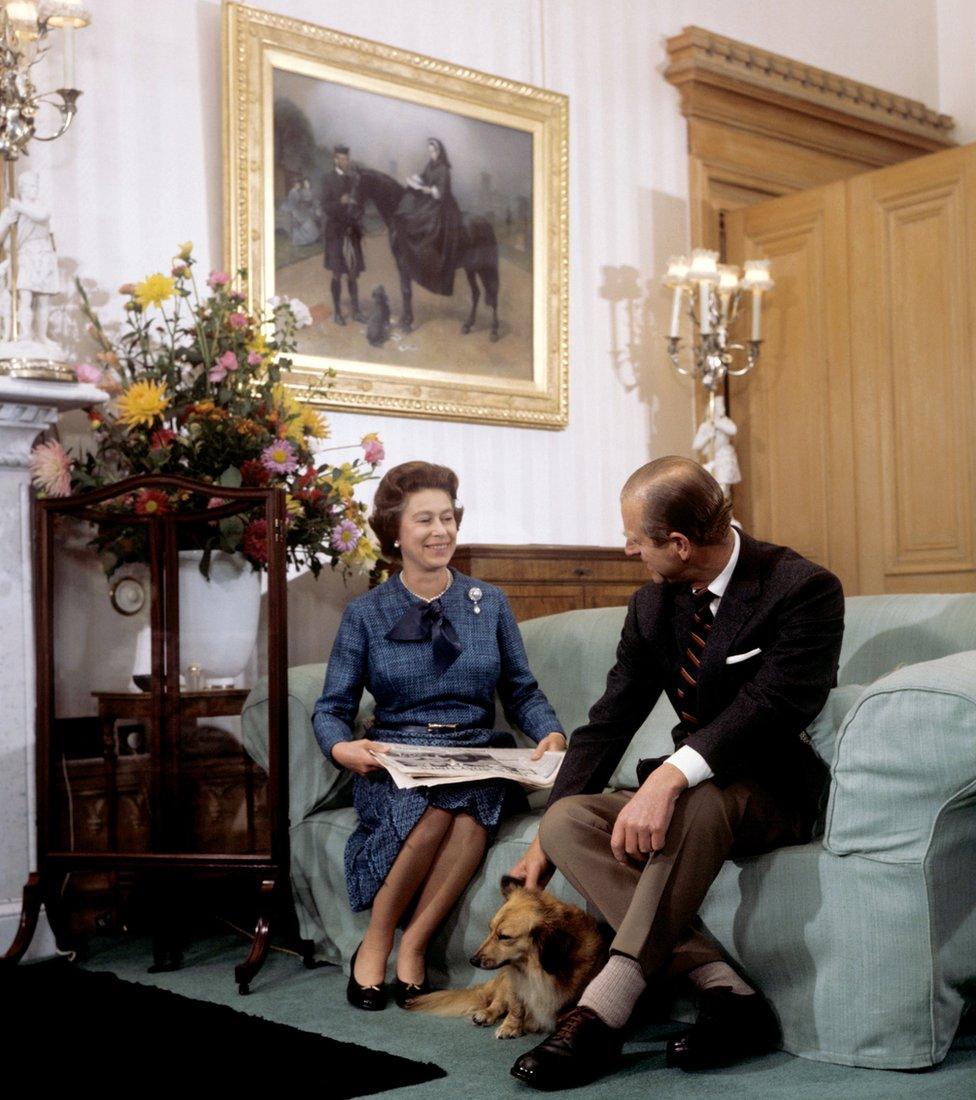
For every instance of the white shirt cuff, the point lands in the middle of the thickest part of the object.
(691, 764)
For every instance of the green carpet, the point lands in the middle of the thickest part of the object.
(478, 1064)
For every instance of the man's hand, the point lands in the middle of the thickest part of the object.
(642, 825)
(534, 868)
(553, 742)
(357, 755)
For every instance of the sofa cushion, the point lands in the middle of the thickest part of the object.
(314, 783)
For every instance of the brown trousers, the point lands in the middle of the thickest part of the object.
(653, 906)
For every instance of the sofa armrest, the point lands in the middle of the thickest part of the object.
(905, 753)
(314, 783)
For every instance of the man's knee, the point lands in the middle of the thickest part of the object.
(705, 808)
(562, 822)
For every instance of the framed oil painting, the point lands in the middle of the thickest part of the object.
(419, 211)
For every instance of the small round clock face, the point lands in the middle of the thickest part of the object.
(128, 596)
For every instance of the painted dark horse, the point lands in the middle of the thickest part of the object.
(478, 254)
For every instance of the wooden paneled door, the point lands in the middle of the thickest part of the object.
(794, 410)
(913, 324)
(858, 426)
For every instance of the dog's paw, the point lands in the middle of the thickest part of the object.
(508, 1030)
(483, 1018)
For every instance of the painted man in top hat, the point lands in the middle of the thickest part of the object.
(343, 231)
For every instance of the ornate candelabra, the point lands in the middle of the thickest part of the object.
(714, 297)
(715, 292)
(29, 267)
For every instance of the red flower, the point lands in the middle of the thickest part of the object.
(256, 540)
(161, 438)
(150, 502)
(254, 473)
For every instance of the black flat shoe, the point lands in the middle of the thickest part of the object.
(403, 992)
(370, 997)
(729, 1028)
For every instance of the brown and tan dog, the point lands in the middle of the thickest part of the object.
(547, 951)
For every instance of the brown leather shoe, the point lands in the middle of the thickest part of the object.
(581, 1049)
(730, 1027)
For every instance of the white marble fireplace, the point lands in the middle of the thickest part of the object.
(27, 408)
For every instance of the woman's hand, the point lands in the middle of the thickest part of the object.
(553, 742)
(357, 755)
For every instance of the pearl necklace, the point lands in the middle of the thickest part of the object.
(424, 598)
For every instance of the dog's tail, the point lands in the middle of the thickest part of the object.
(451, 1002)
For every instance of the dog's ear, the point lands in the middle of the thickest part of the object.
(555, 948)
(508, 884)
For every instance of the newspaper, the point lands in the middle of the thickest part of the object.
(432, 766)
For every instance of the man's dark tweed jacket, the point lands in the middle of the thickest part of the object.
(753, 712)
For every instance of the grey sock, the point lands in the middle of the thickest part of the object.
(718, 973)
(613, 993)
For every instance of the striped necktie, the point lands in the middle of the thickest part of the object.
(701, 626)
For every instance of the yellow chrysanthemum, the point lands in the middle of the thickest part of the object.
(313, 423)
(362, 556)
(155, 290)
(344, 481)
(260, 345)
(142, 403)
(294, 506)
(186, 250)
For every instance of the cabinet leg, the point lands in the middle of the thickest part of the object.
(244, 972)
(30, 911)
(167, 940)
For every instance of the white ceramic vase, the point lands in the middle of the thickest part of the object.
(219, 617)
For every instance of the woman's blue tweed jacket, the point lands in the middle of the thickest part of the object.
(403, 680)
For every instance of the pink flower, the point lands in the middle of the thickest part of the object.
(279, 457)
(238, 320)
(253, 359)
(346, 536)
(373, 450)
(50, 466)
(218, 278)
(88, 372)
(224, 365)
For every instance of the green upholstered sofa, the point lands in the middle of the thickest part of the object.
(864, 940)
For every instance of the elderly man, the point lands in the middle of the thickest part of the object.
(744, 637)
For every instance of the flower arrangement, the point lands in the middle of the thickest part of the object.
(196, 391)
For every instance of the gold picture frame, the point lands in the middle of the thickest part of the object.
(322, 88)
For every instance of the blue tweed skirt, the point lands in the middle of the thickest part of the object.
(387, 813)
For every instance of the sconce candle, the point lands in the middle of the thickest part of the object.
(677, 273)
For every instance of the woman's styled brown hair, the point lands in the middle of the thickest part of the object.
(394, 489)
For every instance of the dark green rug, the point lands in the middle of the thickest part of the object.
(60, 1017)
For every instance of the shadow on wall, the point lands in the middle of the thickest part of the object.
(639, 312)
(314, 610)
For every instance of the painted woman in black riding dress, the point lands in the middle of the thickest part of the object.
(427, 224)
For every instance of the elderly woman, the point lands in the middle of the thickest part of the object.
(432, 646)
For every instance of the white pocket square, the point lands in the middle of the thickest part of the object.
(734, 660)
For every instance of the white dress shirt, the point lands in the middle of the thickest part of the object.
(687, 760)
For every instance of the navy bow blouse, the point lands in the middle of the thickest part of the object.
(404, 677)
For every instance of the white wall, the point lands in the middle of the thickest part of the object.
(957, 72)
(141, 171)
